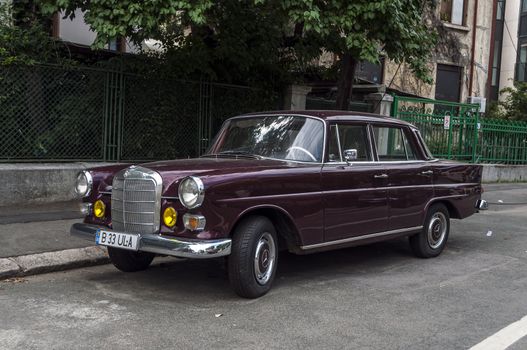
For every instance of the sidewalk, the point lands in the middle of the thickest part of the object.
(35, 238)
(38, 228)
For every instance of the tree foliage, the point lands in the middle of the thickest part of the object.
(513, 106)
(23, 39)
(268, 36)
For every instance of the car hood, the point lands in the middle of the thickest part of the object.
(173, 170)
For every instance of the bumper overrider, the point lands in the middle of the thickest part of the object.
(164, 245)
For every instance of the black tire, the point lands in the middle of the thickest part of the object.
(431, 241)
(129, 261)
(254, 235)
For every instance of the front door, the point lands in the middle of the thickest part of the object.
(355, 195)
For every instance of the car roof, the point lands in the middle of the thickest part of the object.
(332, 115)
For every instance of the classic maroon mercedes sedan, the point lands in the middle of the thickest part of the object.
(299, 181)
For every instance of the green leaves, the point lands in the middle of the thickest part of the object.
(257, 31)
(514, 104)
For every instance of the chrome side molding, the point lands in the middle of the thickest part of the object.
(361, 238)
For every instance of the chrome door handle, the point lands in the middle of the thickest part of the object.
(381, 176)
(427, 173)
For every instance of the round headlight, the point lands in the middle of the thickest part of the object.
(84, 183)
(191, 192)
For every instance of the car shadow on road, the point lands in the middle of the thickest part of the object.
(207, 279)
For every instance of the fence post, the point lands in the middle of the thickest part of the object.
(295, 97)
(395, 106)
(381, 102)
(476, 134)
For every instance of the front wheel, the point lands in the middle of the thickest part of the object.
(254, 257)
(129, 261)
(431, 241)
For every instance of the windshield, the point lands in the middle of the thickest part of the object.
(279, 137)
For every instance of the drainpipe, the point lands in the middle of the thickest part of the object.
(473, 49)
(492, 44)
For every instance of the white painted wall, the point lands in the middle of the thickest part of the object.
(509, 47)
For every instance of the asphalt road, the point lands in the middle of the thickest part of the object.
(377, 296)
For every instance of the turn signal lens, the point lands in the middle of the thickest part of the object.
(99, 208)
(194, 222)
(170, 217)
(85, 208)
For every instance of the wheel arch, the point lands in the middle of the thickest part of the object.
(287, 232)
(453, 212)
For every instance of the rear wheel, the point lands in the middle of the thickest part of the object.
(129, 261)
(254, 257)
(431, 241)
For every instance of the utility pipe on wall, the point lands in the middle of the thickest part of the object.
(473, 49)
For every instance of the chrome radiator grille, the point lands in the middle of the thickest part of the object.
(136, 200)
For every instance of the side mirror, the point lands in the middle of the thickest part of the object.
(350, 155)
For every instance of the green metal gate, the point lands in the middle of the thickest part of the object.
(449, 129)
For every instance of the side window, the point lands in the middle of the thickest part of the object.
(393, 144)
(349, 137)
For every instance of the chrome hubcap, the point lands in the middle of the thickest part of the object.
(264, 258)
(436, 231)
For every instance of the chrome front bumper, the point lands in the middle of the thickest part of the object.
(164, 245)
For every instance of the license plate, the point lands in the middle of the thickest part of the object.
(117, 239)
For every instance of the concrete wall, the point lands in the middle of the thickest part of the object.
(35, 183)
(504, 173)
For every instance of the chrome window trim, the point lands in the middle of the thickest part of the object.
(422, 145)
(360, 238)
(403, 139)
(338, 140)
(367, 126)
(393, 162)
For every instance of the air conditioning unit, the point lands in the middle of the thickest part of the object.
(481, 101)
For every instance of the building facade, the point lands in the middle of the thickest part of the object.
(461, 62)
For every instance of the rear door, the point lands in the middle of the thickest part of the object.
(355, 195)
(410, 178)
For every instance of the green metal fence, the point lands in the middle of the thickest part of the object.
(51, 113)
(457, 131)
(502, 141)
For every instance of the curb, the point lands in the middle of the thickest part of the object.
(33, 264)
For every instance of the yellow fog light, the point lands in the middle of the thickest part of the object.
(170, 217)
(99, 208)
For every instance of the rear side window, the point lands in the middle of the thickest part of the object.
(422, 142)
(392, 144)
(349, 137)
